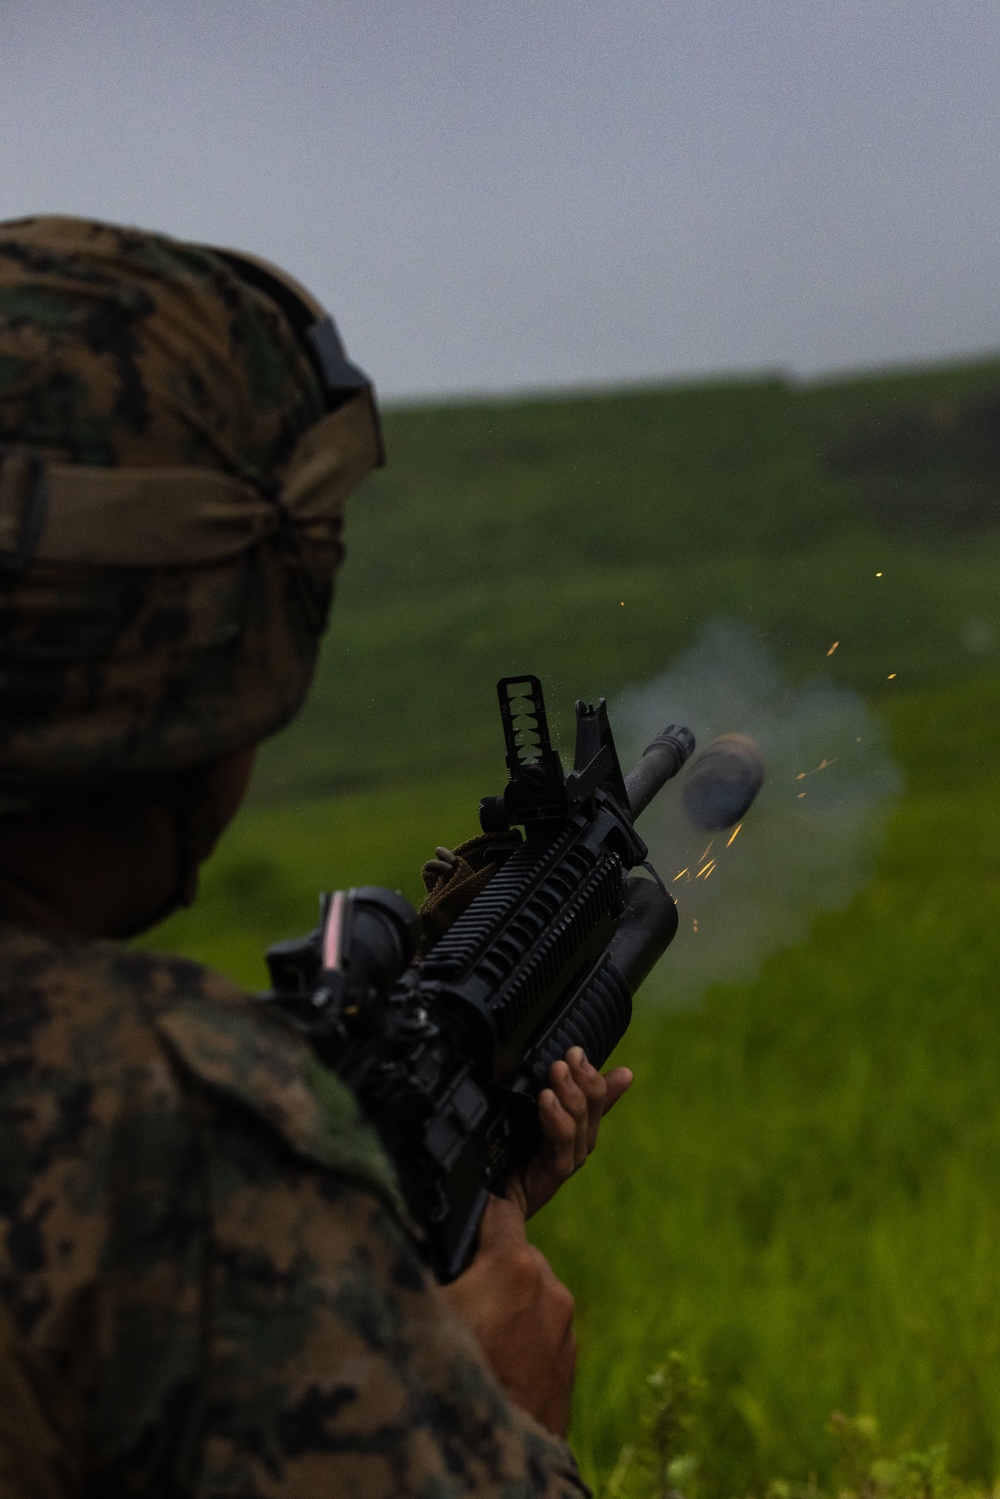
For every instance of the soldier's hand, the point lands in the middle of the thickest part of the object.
(521, 1315)
(569, 1113)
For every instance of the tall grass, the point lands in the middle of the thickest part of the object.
(802, 1192)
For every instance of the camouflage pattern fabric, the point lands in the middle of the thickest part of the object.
(124, 348)
(203, 1252)
(41, 1448)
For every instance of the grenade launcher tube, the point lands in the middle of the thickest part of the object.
(600, 1014)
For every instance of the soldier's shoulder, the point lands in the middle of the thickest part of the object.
(126, 1028)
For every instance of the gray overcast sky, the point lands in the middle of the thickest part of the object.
(545, 192)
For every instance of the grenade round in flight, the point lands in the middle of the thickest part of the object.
(722, 782)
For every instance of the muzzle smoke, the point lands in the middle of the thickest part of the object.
(809, 840)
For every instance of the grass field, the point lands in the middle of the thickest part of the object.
(802, 1190)
(802, 1193)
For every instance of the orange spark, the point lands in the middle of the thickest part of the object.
(705, 854)
(694, 923)
(706, 871)
(833, 647)
(890, 676)
(682, 871)
(878, 575)
(802, 775)
(800, 796)
(734, 832)
(825, 764)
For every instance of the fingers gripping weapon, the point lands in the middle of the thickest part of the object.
(448, 1055)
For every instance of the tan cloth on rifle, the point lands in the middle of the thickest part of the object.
(475, 863)
(40, 1431)
(178, 517)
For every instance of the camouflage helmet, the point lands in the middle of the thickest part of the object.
(179, 428)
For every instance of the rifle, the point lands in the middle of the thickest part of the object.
(448, 1055)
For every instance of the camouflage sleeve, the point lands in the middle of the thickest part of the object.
(204, 1252)
(335, 1366)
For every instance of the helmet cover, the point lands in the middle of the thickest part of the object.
(122, 349)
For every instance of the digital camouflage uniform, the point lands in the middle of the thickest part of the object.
(208, 1283)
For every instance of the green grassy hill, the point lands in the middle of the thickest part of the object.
(801, 1193)
(587, 539)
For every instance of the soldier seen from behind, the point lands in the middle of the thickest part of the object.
(209, 1283)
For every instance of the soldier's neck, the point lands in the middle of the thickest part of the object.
(91, 876)
(118, 865)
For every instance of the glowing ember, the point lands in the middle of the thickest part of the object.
(833, 647)
(890, 676)
(694, 923)
(706, 871)
(800, 796)
(682, 871)
(802, 775)
(825, 764)
(878, 575)
(734, 832)
(705, 853)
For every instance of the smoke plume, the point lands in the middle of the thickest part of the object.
(806, 845)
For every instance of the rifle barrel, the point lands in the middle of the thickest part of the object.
(660, 761)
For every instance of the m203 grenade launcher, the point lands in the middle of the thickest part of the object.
(448, 1055)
